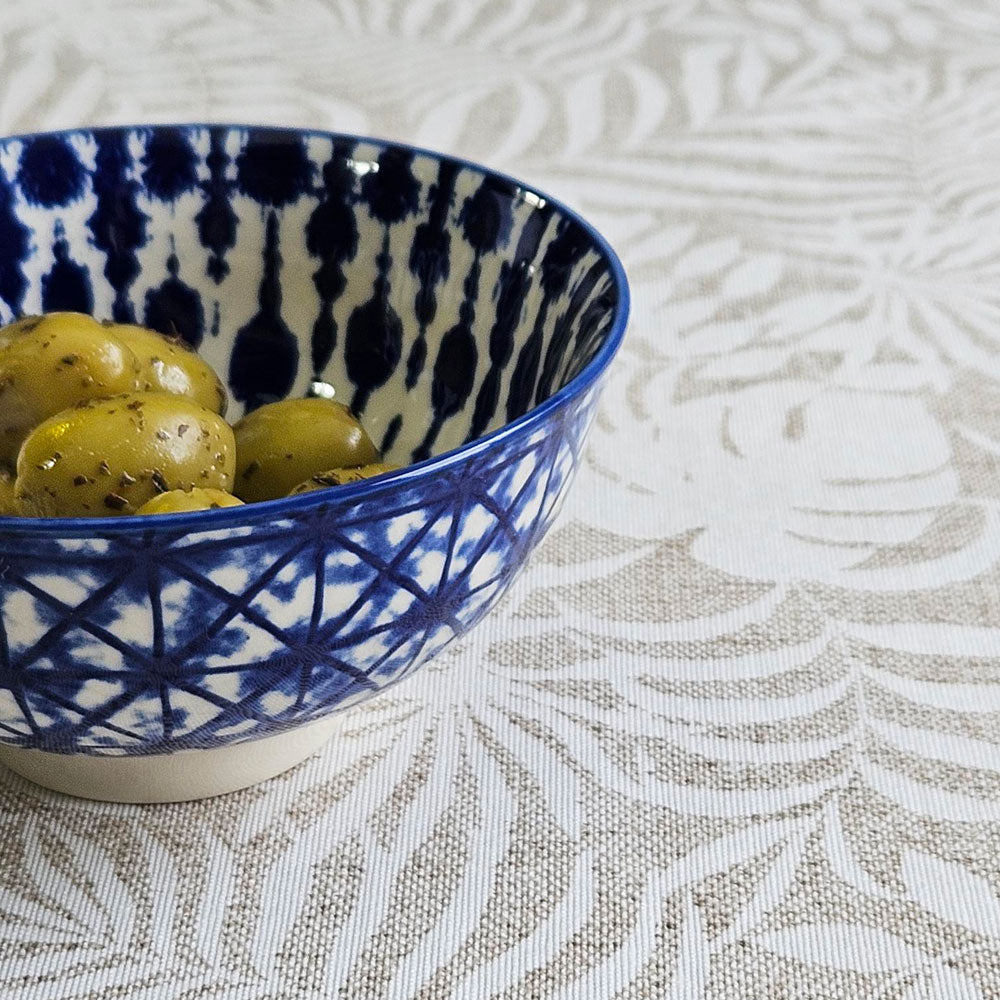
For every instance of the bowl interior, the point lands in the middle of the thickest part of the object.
(440, 301)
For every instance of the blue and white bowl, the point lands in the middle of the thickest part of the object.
(468, 319)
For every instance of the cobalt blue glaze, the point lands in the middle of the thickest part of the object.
(15, 241)
(265, 353)
(562, 333)
(429, 262)
(170, 164)
(117, 226)
(512, 289)
(273, 168)
(175, 308)
(66, 288)
(485, 221)
(562, 257)
(216, 219)
(479, 319)
(374, 339)
(49, 172)
(332, 235)
(391, 433)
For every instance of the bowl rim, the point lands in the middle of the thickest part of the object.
(189, 522)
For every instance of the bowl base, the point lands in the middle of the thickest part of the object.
(173, 777)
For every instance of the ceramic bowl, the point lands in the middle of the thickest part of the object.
(467, 318)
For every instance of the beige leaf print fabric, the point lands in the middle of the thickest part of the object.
(735, 733)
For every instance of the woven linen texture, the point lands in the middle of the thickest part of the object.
(734, 732)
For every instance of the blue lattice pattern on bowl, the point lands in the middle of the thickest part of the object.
(467, 318)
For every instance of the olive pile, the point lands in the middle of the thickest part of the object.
(108, 419)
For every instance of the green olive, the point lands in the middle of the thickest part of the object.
(337, 477)
(108, 457)
(176, 501)
(167, 364)
(62, 359)
(9, 507)
(283, 444)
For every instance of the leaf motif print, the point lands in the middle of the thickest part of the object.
(691, 972)
(844, 946)
(733, 731)
(952, 892)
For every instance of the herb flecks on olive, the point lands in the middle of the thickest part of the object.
(106, 419)
(338, 477)
(167, 364)
(179, 501)
(114, 445)
(52, 364)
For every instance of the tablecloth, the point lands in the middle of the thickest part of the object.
(734, 732)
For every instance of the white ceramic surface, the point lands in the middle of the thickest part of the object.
(173, 777)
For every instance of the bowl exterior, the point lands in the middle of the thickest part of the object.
(163, 640)
(468, 319)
